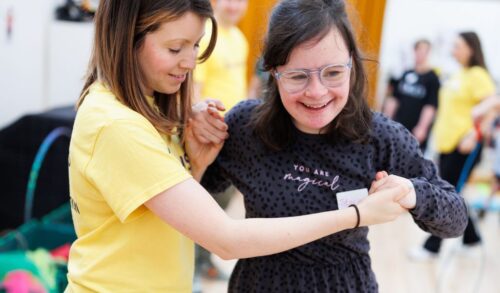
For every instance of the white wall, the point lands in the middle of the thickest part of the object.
(21, 57)
(69, 53)
(43, 62)
(438, 20)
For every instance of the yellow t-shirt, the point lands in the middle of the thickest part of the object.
(457, 97)
(118, 161)
(223, 75)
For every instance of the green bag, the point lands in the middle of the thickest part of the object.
(25, 247)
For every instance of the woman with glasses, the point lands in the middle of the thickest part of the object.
(136, 202)
(313, 145)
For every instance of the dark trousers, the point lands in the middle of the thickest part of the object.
(450, 168)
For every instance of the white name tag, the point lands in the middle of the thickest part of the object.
(346, 198)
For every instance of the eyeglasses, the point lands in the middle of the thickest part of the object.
(296, 80)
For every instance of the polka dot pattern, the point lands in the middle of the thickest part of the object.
(304, 179)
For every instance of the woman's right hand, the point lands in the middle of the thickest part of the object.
(468, 142)
(205, 135)
(382, 206)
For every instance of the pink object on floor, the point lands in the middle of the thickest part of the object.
(20, 281)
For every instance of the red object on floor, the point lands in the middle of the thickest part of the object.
(61, 252)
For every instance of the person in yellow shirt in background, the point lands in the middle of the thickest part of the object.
(223, 77)
(454, 130)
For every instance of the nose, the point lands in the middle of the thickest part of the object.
(315, 89)
(188, 62)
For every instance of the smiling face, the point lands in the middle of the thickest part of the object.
(169, 53)
(316, 106)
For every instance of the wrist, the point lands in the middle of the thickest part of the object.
(358, 216)
(197, 172)
(344, 219)
(409, 202)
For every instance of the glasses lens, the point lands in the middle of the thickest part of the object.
(294, 81)
(333, 75)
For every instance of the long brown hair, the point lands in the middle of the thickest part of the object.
(292, 23)
(473, 42)
(120, 29)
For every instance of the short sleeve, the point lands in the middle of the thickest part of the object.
(130, 164)
(481, 84)
(393, 85)
(433, 90)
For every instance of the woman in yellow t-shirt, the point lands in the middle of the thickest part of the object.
(454, 130)
(136, 203)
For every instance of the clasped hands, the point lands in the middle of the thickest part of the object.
(385, 181)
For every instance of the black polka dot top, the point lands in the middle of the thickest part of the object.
(305, 178)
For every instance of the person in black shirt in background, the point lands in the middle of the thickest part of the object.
(412, 99)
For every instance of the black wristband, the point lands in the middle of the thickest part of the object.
(357, 214)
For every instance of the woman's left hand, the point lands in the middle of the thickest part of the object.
(420, 133)
(200, 154)
(384, 181)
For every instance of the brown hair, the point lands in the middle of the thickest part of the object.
(473, 42)
(421, 42)
(294, 22)
(120, 29)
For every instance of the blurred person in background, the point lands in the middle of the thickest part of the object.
(412, 99)
(224, 75)
(258, 81)
(454, 132)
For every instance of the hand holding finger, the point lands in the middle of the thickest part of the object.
(381, 208)
(380, 175)
(217, 104)
(214, 112)
(206, 133)
(378, 184)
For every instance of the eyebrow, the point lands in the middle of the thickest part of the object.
(318, 68)
(184, 40)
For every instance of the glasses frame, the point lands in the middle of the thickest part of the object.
(308, 73)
